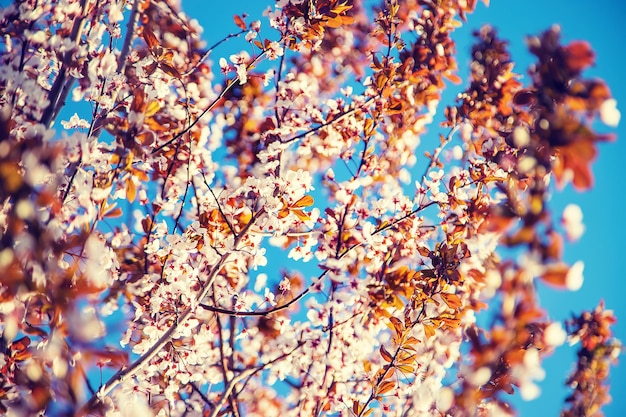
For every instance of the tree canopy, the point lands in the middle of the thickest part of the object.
(288, 228)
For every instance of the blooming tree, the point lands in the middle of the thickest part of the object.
(139, 244)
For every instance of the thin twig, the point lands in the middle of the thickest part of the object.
(221, 95)
(219, 206)
(328, 123)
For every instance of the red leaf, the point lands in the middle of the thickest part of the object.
(239, 22)
(579, 55)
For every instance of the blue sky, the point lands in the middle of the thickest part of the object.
(602, 23)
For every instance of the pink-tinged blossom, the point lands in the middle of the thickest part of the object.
(285, 285)
(527, 372)
(259, 259)
(86, 325)
(574, 278)
(269, 297)
(101, 262)
(75, 122)
(554, 335)
(572, 221)
(242, 302)
(274, 50)
(241, 61)
(609, 114)
(224, 67)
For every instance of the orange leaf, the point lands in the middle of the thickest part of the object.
(368, 127)
(407, 369)
(169, 70)
(341, 8)
(452, 300)
(21, 343)
(347, 20)
(301, 215)
(113, 212)
(152, 107)
(410, 341)
(305, 201)
(575, 158)
(429, 330)
(145, 138)
(149, 37)
(386, 355)
(283, 213)
(131, 190)
(397, 324)
(245, 217)
(139, 101)
(555, 275)
(395, 107)
(239, 22)
(407, 360)
(385, 387)
(334, 22)
(455, 79)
